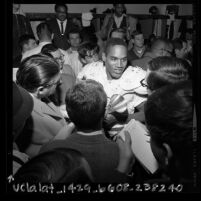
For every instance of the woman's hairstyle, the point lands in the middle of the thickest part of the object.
(86, 103)
(87, 49)
(36, 70)
(166, 70)
(169, 115)
(60, 165)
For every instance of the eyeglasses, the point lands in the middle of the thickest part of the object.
(143, 83)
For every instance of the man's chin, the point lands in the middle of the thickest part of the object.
(116, 75)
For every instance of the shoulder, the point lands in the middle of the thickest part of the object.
(92, 69)
(131, 78)
(134, 70)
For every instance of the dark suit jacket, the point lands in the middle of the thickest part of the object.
(60, 40)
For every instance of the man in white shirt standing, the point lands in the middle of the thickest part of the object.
(117, 78)
(45, 37)
(71, 56)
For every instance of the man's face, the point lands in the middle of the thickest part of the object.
(139, 40)
(161, 50)
(31, 44)
(116, 61)
(119, 8)
(74, 39)
(61, 13)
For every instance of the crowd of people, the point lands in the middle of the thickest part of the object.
(75, 90)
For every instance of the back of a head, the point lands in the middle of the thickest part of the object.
(169, 116)
(60, 165)
(36, 70)
(166, 70)
(48, 49)
(88, 49)
(157, 45)
(85, 104)
(178, 43)
(113, 42)
(24, 39)
(43, 30)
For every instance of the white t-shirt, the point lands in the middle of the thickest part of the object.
(129, 81)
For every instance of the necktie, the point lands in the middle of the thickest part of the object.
(171, 30)
(62, 28)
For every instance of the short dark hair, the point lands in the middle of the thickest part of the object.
(169, 115)
(155, 43)
(36, 70)
(73, 31)
(42, 26)
(60, 5)
(166, 70)
(178, 43)
(86, 103)
(24, 39)
(60, 165)
(87, 49)
(135, 33)
(49, 48)
(114, 41)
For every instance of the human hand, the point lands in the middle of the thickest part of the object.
(126, 156)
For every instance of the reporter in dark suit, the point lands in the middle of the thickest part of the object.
(60, 26)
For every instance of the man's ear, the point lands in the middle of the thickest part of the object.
(40, 91)
(103, 56)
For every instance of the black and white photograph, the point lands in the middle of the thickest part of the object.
(104, 100)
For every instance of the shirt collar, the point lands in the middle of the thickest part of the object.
(99, 132)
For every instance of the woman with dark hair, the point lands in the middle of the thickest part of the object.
(163, 71)
(60, 165)
(39, 75)
(169, 119)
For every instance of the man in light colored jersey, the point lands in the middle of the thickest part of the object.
(118, 79)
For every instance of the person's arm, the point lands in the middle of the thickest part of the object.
(139, 115)
(126, 156)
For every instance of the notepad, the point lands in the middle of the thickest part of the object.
(141, 145)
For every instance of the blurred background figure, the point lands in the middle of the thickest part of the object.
(21, 26)
(60, 165)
